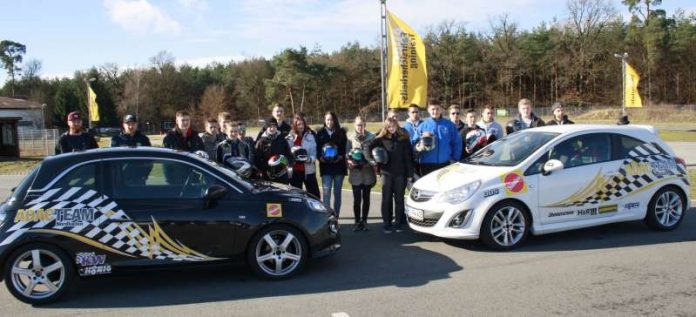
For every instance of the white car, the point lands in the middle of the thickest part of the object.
(552, 179)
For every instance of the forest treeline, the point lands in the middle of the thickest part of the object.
(570, 60)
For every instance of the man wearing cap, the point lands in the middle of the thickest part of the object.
(559, 118)
(130, 135)
(183, 137)
(76, 138)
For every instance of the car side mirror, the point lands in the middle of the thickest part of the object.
(551, 166)
(213, 194)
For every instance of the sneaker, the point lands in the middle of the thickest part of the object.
(356, 227)
(387, 230)
(399, 229)
(364, 226)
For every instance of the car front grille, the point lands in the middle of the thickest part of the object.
(420, 195)
(423, 223)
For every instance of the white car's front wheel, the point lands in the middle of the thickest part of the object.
(505, 226)
(666, 209)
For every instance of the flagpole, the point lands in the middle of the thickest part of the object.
(383, 54)
(623, 58)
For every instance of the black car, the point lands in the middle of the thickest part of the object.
(100, 211)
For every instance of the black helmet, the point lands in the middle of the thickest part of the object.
(329, 152)
(380, 155)
(238, 164)
(277, 166)
(299, 154)
(357, 157)
(427, 141)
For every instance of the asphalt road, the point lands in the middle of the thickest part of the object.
(620, 269)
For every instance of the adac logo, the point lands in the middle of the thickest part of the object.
(34, 215)
(514, 183)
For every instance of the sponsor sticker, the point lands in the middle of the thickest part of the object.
(608, 208)
(561, 213)
(514, 183)
(91, 263)
(663, 167)
(74, 217)
(630, 206)
(274, 210)
(491, 192)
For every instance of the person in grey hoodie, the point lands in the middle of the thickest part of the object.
(361, 174)
(494, 130)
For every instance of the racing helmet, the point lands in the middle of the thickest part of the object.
(329, 152)
(299, 154)
(238, 164)
(380, 155)
(427, 141)
(475, 138)
(491, 135)
(277, 166)
(357, 157)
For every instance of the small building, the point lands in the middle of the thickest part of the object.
(30, 113)
(9, 143)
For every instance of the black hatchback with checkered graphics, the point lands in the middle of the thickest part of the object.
(96, 212)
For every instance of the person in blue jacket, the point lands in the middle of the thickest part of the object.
(447, 141)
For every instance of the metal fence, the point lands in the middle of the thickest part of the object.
(37, 142)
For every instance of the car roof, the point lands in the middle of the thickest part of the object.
(573, 128)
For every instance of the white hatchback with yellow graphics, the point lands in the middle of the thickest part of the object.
(553, 179)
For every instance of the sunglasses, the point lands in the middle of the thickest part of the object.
(454, 113)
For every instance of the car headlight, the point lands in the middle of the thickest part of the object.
(316, 205)
(459, 194)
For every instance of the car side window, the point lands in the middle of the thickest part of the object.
(583, 150)
(628, 144)
(159, 179)
(81, 176)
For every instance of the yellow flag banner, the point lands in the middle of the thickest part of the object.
(407, 80)
(92, 104)
(631, 95)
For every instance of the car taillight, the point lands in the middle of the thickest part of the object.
(680, 161)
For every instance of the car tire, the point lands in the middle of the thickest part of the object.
(38, 284)
(277, 252)
(505, 226)
(666, 209)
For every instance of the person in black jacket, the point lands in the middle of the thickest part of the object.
(332, 171)
(395, 174)
(525, 119)
(183, 137)
(272, 142)
(130, 135)
(474, 141)
(277, 115)
(559, 118)
(232, 145)
(75, 139)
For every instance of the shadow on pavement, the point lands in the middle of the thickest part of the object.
(368, 260)
(617, 235)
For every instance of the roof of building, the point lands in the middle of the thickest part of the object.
(18, 104)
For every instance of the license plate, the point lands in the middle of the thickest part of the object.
(414, 213)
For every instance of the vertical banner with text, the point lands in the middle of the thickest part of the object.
(407, 80)
(631, 95)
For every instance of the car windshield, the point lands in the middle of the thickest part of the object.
(512, 149)
(240, 179)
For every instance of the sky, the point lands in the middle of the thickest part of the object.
(71, 35)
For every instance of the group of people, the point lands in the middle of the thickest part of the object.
(287, 152)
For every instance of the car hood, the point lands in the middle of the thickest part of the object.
(269, 188)
(458, 174)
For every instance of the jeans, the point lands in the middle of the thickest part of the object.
(309, 180)
(393, 189)
(361, 196)
(327, 182)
